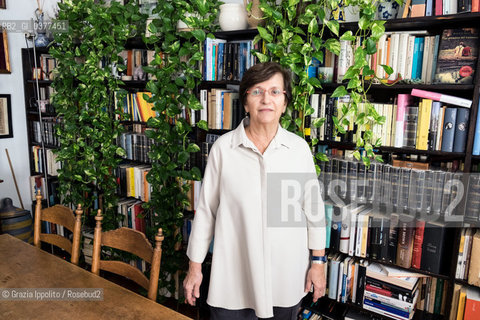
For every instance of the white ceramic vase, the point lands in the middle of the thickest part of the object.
(233, 16)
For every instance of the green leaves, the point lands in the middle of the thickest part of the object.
(265, 34)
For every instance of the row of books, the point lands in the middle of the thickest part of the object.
(50, 158)
(413, 8)
(132, 181)
(227, 60)
(37, 182)
(221, 108)
(410, 122)
(46, 71)
(136, 145)
(134, 60)
(402, 189)
(366, 232)
(46, 131)
(468, 266)
(135, 106)
(416, 55)
(131, 214)
(465, 303)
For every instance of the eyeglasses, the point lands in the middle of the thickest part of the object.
(274, 92)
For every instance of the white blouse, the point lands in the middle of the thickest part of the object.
(260, 255)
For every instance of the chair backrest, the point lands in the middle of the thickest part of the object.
(131, 241)
(63, 216)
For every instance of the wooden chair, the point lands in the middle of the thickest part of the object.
(63, 216)
(131, 241)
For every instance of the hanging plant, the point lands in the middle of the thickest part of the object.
(295, 34)
(176, 68)
(84, 96)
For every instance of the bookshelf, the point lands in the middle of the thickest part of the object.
(433, 25)
(41, 121)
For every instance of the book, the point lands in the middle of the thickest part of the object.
(417, 244)
(472, 304)
(376, 271)
(474, 270)
(461, 129)
(436, 249)
(403, 100)
(461, 102)
(476, 141)
(457, 56)
(449, 123)
(406, 232)
(410, 132)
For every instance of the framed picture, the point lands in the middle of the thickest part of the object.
(4, 59)
(5, 117)
(3, 4)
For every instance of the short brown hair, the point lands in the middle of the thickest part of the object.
(261, 72)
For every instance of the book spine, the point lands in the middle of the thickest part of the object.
(386, 308)
(461, 102)
(449, 124)
(386, 292)
(438, 7)
(476, 143)
(461, 128)
(417, 244)
(406, 306)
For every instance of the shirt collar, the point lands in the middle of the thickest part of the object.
(240, 136)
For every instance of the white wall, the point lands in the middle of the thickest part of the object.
(13, 84)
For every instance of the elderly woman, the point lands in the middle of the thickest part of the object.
(260, 269)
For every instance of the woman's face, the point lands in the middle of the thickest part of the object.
(266, 101)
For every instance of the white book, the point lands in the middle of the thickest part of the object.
(461, 253)
(381, 51)
(409, 56)
(426, 58)
(402, 54)
(430, 73)
(344, 59)
(204, 102)
(394, 43)
(323, 103)
(340, 281)
(315, 103)
(467, 247)
(347, 212)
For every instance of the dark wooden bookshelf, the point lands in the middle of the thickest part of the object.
(407, 86)
(465, 283)
(134, 83)
(351, 146)
(42, 82)
(435, 23)
(48, 146)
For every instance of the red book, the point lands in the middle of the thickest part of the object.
(439, 7)
(475, 5)
(417, 244)
(139, 219)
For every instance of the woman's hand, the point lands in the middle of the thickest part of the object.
(192, 282)
(316, 277)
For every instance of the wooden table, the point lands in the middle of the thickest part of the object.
(25, 266)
